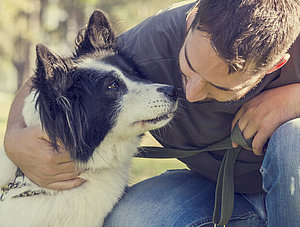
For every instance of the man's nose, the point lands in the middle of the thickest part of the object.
(196, 97)
(195, 90)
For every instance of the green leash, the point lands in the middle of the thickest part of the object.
(224, 196)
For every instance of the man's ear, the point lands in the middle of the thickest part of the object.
(280, 63)
(97, 36)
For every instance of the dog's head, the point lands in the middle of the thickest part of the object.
(96, 93)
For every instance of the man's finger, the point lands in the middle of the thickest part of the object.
(63, 158)
(258, 143)
(243, 122)
(66, 167)
(248, 130)
(64, 185)
(64, 176)
(69, 167)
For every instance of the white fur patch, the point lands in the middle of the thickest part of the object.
(31, 115)
(98, 65)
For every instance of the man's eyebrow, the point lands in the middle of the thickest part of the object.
(216, 86)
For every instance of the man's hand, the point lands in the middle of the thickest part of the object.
(262, 115)
(30, 150)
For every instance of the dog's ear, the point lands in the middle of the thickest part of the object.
(97, 36)
(52, 76)
(99, 32)
(48, 63)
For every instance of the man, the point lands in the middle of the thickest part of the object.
(235, 64)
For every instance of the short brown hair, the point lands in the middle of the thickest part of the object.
(247, 32)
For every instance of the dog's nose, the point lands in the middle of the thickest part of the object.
(170, 91)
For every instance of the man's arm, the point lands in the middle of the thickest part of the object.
(29, 149)
(262, 115)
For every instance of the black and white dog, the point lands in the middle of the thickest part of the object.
(93, 104)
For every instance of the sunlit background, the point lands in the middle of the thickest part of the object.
(24, 23)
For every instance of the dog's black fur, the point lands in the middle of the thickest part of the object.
(71, 101)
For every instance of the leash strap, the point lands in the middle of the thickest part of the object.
(165, 152)
(224, 196)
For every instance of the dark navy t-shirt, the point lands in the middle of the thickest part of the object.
(154, 46)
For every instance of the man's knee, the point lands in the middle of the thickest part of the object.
(288, 131)
(284, 147)
(287, 135)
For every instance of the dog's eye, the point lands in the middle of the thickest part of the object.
(113, 85)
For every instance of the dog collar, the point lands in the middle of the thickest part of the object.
(21, 187)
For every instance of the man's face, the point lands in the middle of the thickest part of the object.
(205, 74)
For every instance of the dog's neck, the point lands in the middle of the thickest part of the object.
(111, 154)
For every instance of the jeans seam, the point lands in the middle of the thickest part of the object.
(244, 216)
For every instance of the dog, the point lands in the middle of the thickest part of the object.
(95, 104)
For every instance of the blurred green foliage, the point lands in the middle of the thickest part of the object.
(24, 23)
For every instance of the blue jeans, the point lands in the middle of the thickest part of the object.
(184, 198)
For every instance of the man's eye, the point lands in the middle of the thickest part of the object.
(113, 85)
